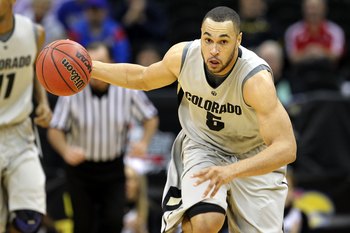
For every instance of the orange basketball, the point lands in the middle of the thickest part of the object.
(63, 67)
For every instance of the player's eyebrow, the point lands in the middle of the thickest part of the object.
(222, 35)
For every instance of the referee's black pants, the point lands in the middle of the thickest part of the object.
(97, 191)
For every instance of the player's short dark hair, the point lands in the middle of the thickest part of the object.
(222, 14)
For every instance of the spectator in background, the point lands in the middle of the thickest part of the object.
(314, 37)
(272, 52)
(97, 25)
(143, 214)
(137, 211)
(90, 131)
(22, 6)
(295, 220)
(40, 11)
(314, 46)
(255, 25)
(69, 12)
(148, 54)
(144, 21)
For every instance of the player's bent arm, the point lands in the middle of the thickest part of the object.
(42, 111)
(139, 77)
(275, 128)
(39, 91)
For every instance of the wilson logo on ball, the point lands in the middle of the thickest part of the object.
(84, 60)
(75, 77)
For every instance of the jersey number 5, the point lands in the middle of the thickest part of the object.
(213, 122)
(11, 78)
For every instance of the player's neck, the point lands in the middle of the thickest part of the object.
(6, 23)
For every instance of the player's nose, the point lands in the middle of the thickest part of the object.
(214, 50)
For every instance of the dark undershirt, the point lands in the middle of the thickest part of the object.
(5, 36)
(215, 80)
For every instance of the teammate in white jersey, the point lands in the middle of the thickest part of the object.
(22, 181)
(229, 159)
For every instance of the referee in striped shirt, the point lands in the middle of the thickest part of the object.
(90, 131)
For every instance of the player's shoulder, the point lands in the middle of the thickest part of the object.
(22, 17)
(176, 50)
(173, 57)
(249, 59)
(26, 22)
(245, 53)
(23, 20)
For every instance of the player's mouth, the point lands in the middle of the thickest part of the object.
(214, 63)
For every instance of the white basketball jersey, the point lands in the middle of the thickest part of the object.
(17, 56)
(219, 117)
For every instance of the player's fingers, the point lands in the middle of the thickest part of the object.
(42, 122)
(201, 176)
(39, 121)
(39, 110)
(216, 189)
(200, 173)
(200, 180)
(43, 110)
(48, 115)
(209, 188)
(40, 117)
(44, 115)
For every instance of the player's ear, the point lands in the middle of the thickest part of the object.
(239, 39)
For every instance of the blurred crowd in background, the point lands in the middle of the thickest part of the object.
(306, 43)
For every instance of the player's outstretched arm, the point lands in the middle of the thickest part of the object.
(139, 77)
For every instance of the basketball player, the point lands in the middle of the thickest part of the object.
(22, 189)
(236, 139)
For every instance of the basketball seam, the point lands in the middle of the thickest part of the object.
(42, 71)
(61, 76)
(86, 79)
(52, 44)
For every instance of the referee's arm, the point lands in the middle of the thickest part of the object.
(150, 126)
(72, 155)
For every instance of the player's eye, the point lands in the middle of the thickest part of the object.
(223, 42)
(208, 40)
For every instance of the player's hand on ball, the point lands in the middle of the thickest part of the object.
(217, 175)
